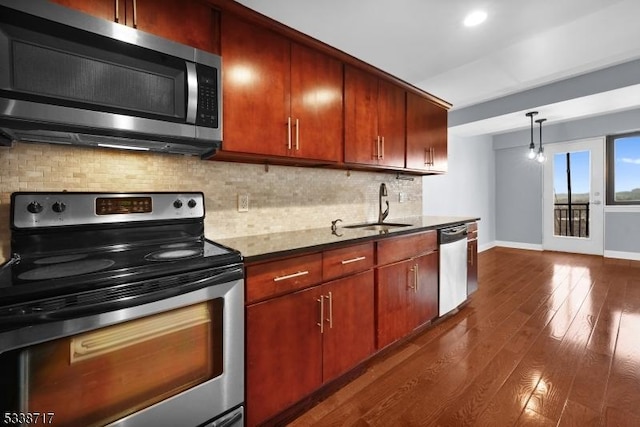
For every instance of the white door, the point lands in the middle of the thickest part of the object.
(573, 194)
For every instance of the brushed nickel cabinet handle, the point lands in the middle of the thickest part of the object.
(288, 133)
(382, 150)
(330, 319)
(290, 276)
(426, 156)
(349, 261)
(321, 324)
(416, 272)
(135, 14)
(297, 135)
(117, 3)
(411, 270)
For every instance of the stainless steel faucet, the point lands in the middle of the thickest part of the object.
(383, 193)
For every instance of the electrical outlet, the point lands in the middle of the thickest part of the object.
(402, 197)
(243, 202)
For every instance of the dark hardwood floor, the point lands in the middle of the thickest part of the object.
(549, 339)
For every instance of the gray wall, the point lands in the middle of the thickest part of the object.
(519, 184)
(468, 188)
(518, 197)
(622, 231)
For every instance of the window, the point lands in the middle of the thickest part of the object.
(623, 169)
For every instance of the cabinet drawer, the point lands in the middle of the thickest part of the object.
(344, 261)
(404, 247)
(472, 231)
(282, 276)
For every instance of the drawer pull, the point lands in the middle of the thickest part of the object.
(349, 261)
(290, 276)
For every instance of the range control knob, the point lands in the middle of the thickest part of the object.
(59, 207)
(192, 203)
(34, 207)
(177, 204)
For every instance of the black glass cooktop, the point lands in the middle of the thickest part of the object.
(53, 273)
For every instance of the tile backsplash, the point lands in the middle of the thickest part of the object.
(283, 198)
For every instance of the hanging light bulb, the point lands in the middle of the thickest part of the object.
(540, 157)
(532, 146)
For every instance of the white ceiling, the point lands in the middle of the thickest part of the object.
(521, 45)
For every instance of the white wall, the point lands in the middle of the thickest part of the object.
(468, 188)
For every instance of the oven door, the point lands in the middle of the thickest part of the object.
(177, 361)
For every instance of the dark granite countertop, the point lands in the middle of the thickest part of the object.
(274, 245)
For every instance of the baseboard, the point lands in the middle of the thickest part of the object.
(518, 245)
(486, 246)
(633, 256)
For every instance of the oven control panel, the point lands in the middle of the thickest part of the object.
(36, 209)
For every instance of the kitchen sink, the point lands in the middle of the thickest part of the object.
(378, 226)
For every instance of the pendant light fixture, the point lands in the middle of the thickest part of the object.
(540, 157)
(532, 146)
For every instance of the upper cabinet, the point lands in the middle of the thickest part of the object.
(190, 22)
(426, 135)
(280, 98)
(374, 120)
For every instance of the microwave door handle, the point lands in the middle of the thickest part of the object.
(192, 92)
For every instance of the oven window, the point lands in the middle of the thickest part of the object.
(100, 376)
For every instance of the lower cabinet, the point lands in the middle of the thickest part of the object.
(407, 296)
(298, 341)
(472, 258)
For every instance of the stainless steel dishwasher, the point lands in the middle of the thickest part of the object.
(453, 268)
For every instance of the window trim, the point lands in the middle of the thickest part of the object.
(610, 170)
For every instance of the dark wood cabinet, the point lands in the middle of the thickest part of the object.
(374, 120)
(407, 295)
(284, 352)
(280, 98)
(349, 334)
(426, 292)
(191, 22)
(406, 290)
(472, 258)
(316, 105)
(298, 341)
(394, 296)
(426, 135)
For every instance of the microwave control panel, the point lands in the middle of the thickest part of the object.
(207, 114)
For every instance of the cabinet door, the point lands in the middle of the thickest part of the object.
(391, 124)
(316, 104)
(112, 10)
(361, 135)
(189, 22)
(472, 266)
(284, 353)
(394, 296)
(426, 135)
(349, 330)
(426, 289)
(256, 76)
(164, 18)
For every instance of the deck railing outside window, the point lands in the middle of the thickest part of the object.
(571, 220)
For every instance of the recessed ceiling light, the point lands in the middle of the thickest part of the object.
(475, 18)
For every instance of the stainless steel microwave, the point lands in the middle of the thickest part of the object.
(70, 78)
